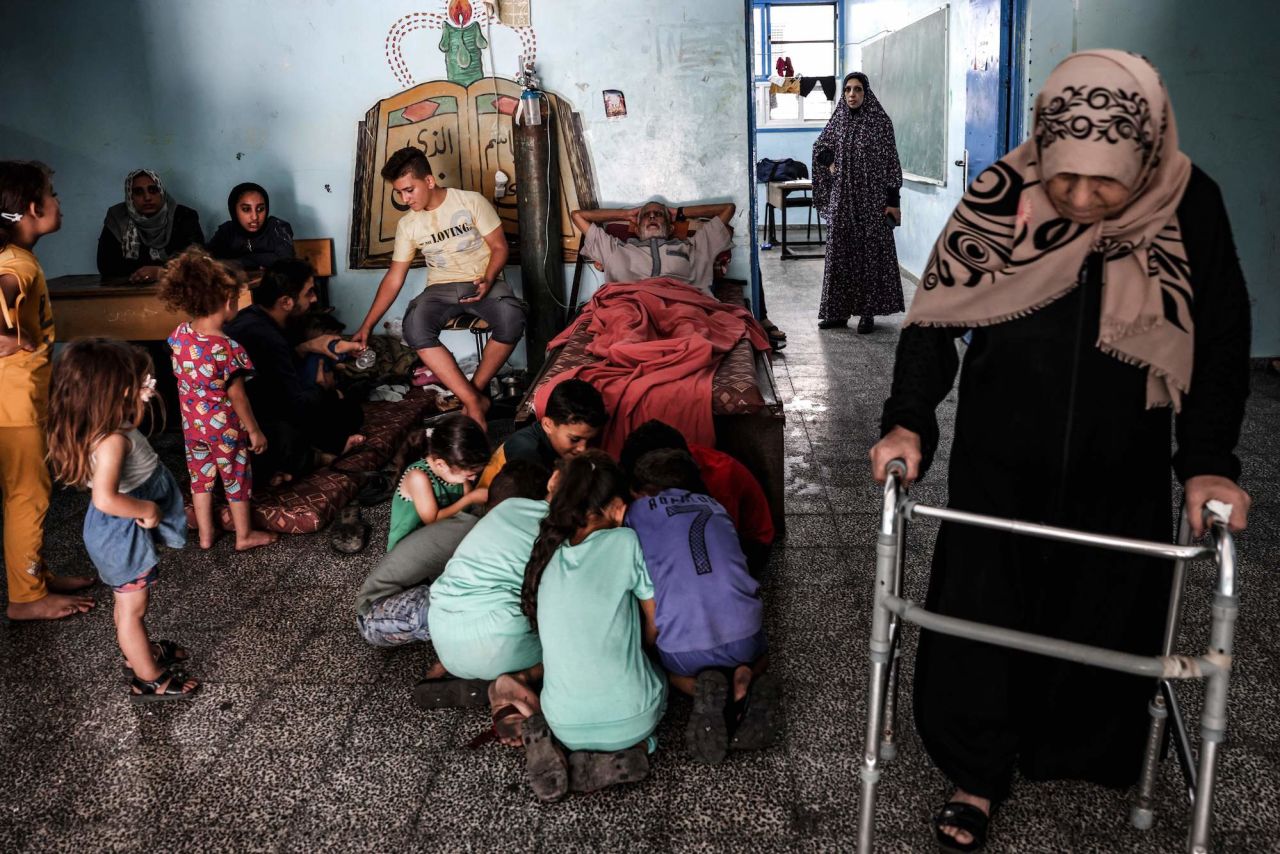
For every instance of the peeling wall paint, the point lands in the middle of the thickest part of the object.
(184, 86)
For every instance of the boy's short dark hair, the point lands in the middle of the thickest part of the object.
(652, 435)
(667, 469)
(519, 479)
(407, 159)
(460, 442)
(576, 402)
(284, 278)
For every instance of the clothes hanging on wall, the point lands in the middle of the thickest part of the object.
(784, 85)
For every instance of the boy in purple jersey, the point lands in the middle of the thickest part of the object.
(709, 614)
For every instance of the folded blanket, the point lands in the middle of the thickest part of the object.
(659, 342)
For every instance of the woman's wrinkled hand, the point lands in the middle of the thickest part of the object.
(896, 213)
(1207, 487)
(898, 443)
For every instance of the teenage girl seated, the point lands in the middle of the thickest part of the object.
(602, 698)
(252, 237)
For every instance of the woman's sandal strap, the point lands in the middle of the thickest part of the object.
(173, 685)
(966, 817)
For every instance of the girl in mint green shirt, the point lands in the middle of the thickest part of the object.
(589, 596)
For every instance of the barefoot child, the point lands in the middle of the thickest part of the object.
(709, 615)
(100, 392)
(439, 485)
(218, 426)
(601, 696)
(28, 210)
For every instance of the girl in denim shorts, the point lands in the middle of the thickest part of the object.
(98, 396)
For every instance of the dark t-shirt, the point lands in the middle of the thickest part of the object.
(278, 388)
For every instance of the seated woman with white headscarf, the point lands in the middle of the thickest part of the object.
(145, 230)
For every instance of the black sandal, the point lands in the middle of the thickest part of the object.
(350, 532)
(377, 487)
(142, 691)
(758, 725)
(545, 764)
(451, 693)
(170, 655)
(706, 736)
(590, 771)
(961, 816)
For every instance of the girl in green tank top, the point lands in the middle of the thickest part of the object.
(440, 485)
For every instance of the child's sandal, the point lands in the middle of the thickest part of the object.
(451, 693)
(707, 734)
(167, 654)
(544, 760)
(142, 691)
(590, 771)
(758, 726)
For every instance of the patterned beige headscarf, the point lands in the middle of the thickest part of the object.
(1007, 252)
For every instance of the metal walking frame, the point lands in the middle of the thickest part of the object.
(891, 610)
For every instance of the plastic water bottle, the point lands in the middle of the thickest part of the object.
(366, 359)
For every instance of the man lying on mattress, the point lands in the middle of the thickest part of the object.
(655, 251)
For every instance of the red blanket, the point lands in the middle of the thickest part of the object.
(660, 343)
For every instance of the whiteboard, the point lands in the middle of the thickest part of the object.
(908, 73)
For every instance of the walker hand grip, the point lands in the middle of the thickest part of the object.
(897, 467)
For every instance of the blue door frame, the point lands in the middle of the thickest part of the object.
(993, 82)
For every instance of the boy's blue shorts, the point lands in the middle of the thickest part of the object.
(745, 651)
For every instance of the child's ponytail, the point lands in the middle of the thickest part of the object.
(588, 484)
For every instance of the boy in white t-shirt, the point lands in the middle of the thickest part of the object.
(460, 237)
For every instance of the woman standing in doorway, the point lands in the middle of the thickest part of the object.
(856, 184)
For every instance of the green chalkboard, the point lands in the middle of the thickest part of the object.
(908, 73)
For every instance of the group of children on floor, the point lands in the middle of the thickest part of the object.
(585, 588)
(566, 607)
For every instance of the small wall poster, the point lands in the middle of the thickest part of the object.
(615, 104)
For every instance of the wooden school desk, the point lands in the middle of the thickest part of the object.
(93, 305)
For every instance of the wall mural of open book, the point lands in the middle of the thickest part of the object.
(466, 133)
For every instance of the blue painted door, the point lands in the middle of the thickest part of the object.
(986, 84)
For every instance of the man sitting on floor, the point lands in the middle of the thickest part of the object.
(306, 422)
(654, 251)
(461, 239)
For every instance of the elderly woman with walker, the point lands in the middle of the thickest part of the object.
(1095, 265)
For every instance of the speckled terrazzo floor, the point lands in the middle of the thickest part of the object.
(305, 739)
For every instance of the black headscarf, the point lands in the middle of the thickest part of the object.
(236, 192)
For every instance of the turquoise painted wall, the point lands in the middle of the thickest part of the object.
(211, 94)
(1221, 69)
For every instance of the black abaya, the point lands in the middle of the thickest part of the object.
(1051, 429)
